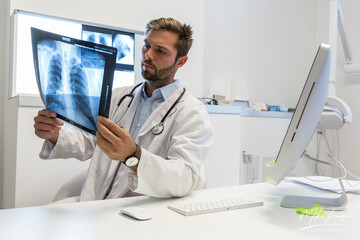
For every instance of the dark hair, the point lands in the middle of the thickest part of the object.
(184, 32)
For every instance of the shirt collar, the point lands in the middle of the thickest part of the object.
(163, 92)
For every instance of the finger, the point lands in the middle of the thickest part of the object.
(48, 120)
(47, 113)
(103, 143)
(115, 129)
(112, 151)
(44, 134)
(46, 127)
(106, 133)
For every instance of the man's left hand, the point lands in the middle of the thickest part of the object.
(114, 141)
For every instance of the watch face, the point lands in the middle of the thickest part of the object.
(131, 162)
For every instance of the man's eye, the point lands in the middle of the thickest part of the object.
(161, 51)
(146, 46)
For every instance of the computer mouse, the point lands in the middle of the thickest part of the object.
(137, 213)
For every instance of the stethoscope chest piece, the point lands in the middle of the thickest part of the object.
(157, 129)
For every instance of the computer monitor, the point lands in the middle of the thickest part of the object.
(303, 125)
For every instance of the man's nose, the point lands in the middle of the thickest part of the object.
(149, 54)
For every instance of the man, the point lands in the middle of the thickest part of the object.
(132, 153)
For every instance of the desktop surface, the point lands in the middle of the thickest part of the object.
(103, 220)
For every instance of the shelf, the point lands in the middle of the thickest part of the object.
(246, 112)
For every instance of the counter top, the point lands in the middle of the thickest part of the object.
(35, 101)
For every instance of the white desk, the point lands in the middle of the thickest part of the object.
(101, 219)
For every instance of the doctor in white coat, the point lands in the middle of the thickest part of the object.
(156, 137)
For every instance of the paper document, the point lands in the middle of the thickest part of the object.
(327, 183)
(74, 77)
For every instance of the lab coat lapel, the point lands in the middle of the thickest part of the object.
(156, 116)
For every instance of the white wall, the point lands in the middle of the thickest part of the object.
(267, 44)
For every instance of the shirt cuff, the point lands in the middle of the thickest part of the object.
(132, 180)
(46, 149)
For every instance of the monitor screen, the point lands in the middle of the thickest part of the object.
(306, 116)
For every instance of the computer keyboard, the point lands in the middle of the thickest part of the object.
(196, 208)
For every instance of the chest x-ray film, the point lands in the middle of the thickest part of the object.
(74, 77)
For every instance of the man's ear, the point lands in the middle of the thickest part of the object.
(181, 61)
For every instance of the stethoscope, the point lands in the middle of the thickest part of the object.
(158, 128)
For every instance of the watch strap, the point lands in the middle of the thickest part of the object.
(138, 152)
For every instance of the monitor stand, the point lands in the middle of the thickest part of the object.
(337, 203)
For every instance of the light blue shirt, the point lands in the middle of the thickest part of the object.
(147, 105)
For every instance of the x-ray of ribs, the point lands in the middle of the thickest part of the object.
(91, 38)
(79, 89)
(52, 97)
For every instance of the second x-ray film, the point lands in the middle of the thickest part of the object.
(74, 77)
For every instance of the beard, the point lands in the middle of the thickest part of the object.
(158, 74)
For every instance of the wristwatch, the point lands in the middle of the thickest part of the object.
(134, 160)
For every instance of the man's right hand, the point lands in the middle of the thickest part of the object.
(47, 126)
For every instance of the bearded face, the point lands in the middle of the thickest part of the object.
(152, 73)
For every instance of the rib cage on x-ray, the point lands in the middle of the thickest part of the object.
(80, 89)
(54, 84)
(67, 89)
(100, 40)
(122, 42)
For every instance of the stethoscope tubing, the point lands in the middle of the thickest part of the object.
(174, 104)
(158, 128)
(131, 94)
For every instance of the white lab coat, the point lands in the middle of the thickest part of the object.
(170, 162)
